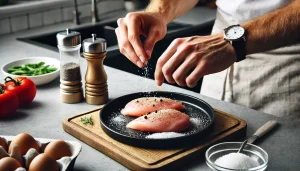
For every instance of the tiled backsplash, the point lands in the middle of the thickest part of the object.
(57, 11)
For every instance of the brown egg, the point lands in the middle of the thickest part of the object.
(25, 142)
(58, 149)
(43, 162)
(9, 164)
(3, 143)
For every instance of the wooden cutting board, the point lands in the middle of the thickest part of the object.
(225, 128)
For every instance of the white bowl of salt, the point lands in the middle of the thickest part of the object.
(224, 157)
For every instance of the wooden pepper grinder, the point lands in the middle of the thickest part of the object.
(94, 50)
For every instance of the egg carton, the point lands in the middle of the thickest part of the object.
(64, 164)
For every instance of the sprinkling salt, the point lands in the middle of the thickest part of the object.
(118, 119)
(236, 161)
(195, 121)
(163, 135)
(146, 74)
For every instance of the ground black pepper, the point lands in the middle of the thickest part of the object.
(145, 117)
(70, 72)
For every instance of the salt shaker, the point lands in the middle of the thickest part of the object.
(94, 50)
(69, 43)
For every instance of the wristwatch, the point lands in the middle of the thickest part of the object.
(236, 35)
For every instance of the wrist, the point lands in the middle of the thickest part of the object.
(161, 13)
(250, 45)
(236, 36)
(160, 16)
(226, 45)
(230, 49)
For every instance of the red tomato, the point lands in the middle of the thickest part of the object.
(23, 87)
(9, 102)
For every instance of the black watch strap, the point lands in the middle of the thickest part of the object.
(240, 49)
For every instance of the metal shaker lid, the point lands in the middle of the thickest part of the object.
(68, 38)
(94, 45)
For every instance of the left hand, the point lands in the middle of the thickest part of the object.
(186, 60)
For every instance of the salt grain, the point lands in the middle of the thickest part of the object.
(164, 135)
(118, 119)
(236, 161)
(146, 74)
(195, 121)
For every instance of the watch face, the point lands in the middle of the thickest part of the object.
(234, 32)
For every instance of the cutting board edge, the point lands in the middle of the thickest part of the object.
(241, 129)
(67, 126)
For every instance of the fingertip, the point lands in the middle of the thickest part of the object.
(143, 59)
(118, 22)
(148, 52)
(158, 83)
(191, 85)
(139, 64)
(145, 63)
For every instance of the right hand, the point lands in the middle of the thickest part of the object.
(151, 25)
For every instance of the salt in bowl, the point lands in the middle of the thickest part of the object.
(221, 149)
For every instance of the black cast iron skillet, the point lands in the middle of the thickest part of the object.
(114, 123)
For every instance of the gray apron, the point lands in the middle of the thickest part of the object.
(268, 82)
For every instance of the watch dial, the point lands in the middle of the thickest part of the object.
(235, 32)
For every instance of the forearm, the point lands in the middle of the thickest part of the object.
(170, 9)
(277, 29)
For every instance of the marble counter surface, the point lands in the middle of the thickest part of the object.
(43, 118)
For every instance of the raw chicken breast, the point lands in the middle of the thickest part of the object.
(145, 105)
(167, 120)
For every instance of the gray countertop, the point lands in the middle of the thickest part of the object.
(43, 118)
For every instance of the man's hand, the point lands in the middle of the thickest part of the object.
(186, 60)
(151, 25)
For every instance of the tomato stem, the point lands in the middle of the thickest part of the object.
(16, 82)
(1, 89)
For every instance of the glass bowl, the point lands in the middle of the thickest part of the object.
(221, 149)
